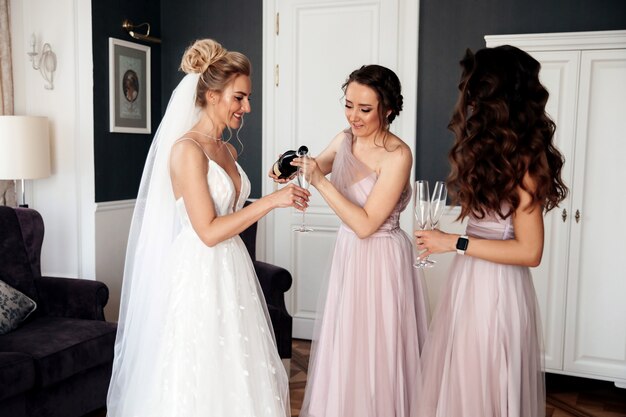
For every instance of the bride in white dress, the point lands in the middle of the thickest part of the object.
(194, 336)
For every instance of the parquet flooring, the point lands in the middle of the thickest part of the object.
(565, 396)
(299, 363)
(583, 397)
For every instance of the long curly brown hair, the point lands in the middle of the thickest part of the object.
(502, 132)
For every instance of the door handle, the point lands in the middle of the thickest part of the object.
(577, 216)
(564, 215)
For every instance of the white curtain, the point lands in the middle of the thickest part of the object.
(7, 188)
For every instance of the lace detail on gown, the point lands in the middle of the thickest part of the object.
(217, 355)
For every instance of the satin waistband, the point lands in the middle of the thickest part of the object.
(490, 230)
(378, 233)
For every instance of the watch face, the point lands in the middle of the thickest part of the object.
(461, 244)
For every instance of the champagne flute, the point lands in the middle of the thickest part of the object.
(438, 203)
(421, 207)
(437, 206)
(304, 180)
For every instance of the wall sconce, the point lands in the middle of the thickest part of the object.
(131, 29)
(47, 62)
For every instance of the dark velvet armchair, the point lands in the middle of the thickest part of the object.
(275, 281)
(57, 363)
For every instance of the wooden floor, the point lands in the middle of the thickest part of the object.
(570, 396)
(565, 396)
(297, 381)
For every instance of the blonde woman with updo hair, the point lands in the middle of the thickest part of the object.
(194, 336)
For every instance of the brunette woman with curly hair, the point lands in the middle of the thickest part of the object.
(483, 353)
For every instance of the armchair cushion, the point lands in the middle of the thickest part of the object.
(14, 307)
(17, 373)
(71, 346)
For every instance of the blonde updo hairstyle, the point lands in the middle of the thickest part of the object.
(216, 66)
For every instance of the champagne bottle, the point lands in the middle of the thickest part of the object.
(282, 168)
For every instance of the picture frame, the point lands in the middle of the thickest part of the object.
(129, 87)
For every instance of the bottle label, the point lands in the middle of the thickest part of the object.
(276, 170)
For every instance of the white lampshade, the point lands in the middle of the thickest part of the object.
(24, 147)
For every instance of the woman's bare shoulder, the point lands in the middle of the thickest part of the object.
(397, 150)
(187, 151)
(338, 139)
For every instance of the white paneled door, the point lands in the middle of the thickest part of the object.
(596, 323)
(581, 282)
(310, 47)
(559, 74)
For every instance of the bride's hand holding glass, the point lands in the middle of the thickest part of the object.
(291, 196)
(307, 167)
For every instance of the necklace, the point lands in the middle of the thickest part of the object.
(218, 140)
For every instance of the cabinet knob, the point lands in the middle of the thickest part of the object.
(564, 215)
(577, 216)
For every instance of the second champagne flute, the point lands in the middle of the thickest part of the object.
(437, 206)
(421, 198)
(304, 180)
(438, 203)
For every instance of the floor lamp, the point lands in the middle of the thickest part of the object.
(24, 149)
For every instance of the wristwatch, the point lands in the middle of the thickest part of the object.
(461, 245)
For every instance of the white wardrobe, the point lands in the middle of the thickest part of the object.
(581, 283)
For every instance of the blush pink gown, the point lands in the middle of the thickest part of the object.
(482, 357)
(365, 355)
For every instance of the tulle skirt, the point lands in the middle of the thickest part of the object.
(217, 355)
(365, 354)
(482, 357)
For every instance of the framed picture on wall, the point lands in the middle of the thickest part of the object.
(129, 87)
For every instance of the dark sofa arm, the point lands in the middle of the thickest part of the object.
(275, 281)
(72, 298)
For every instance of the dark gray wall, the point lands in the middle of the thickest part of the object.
(238, 26)
(448, 27)
(119, 157)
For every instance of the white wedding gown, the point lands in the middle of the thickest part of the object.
(217, 356)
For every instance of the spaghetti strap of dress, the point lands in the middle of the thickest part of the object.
(231, 154)
(197, 143)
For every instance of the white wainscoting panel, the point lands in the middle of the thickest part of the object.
(112, 227)
(312, 256)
